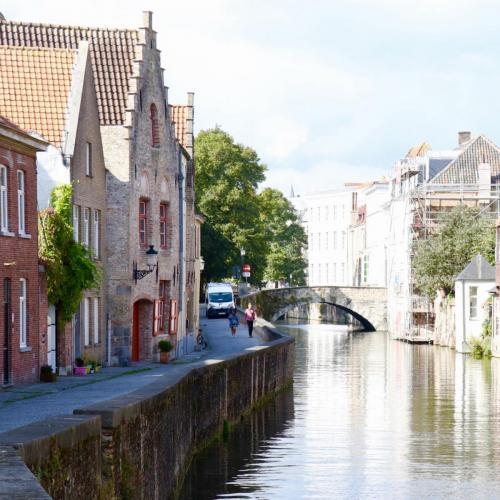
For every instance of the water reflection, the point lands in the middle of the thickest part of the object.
(370, 418)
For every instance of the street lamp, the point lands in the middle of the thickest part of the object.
(151, 254)
(242, 253)
(202, 264)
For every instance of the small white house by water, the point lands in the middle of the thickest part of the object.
(472, 288)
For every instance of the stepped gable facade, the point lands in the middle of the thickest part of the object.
(52, 92)
(146, 182)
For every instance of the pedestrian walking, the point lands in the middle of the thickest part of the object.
(233, 322)
(250, 316)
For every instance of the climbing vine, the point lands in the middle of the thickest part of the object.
(69, 265)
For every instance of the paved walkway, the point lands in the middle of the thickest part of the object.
(27, 404)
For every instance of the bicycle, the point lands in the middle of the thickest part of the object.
(200, 340)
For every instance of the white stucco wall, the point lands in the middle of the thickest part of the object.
(51, 172)
(326, 217)
(467, 327)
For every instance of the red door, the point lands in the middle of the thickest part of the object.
(135, 333)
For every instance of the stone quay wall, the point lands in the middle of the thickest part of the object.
(140, 445)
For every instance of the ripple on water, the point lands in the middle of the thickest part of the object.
(367, 418)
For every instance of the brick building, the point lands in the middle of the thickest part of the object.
(149, 179)
(24, 310)
(64, 111)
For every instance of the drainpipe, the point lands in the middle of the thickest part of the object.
(182, 291)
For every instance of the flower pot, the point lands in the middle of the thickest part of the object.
(48, 377)
(80, 371)
(164, 357)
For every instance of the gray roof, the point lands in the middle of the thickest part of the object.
(478, 269)
(463, 170)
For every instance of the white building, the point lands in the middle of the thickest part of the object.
(326, 217)
(368, 234)
(472, 288)
(426, 183)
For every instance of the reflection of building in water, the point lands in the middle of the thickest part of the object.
(221, 462)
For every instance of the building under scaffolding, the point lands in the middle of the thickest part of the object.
(425, 184)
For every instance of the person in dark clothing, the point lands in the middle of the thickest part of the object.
(233, 322)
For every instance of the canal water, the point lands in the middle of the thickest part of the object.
(368, 417)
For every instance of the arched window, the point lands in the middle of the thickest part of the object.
(155, 129)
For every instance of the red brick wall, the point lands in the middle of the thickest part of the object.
(19, 259)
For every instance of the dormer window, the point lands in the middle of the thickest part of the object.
(155, 129)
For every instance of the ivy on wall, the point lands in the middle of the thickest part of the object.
(69, 265)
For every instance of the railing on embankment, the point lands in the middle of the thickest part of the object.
(140, 445)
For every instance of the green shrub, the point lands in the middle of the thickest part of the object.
(165, 345)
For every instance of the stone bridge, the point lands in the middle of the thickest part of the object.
(366, 304)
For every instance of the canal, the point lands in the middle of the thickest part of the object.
(368, 417)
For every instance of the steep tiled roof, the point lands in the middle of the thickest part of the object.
(34, 88)
(111, 54)
(10, 124)
(463, 170)
(418, 150)
(179, 116)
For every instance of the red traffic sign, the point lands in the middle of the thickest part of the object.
(246, 268)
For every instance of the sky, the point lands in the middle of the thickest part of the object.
(326, 91)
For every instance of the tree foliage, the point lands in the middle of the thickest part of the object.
(287, 238)
(461, 234)
(227, 177)
(69, 266)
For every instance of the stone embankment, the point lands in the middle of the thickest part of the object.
(140, 445)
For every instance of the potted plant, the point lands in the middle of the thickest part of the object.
(47, 374)
(165, 346)
(80, 368)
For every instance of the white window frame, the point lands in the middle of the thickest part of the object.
(473, 302)
(88, 159)
(76, 223)
(97, 236)
(4, 199)
(86, 227)
(23, 313)
(21, 202)
(95, 314)
(86, 321)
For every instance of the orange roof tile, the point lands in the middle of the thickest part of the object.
(179, 116)
(111, 53)
(34, 88)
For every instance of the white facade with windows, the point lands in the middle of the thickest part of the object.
(472, 288)
(368, 235)
(326, 217)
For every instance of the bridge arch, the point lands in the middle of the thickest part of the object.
(365, 323)
(367, 304)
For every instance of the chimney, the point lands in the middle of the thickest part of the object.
(147, 19)
(463, 137)
(190, 124)
(484, 182)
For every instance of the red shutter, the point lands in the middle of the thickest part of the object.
(156, 318)
(173, 317)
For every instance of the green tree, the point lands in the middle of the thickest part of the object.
(286, 238)
(69, 266)
(460, 234)
(227, 176)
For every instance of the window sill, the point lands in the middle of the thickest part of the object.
(7, 233)
(26, 236)
(25, 349)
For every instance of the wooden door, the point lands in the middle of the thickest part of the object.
(135, 333)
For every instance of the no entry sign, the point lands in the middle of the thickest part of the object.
(246, 268)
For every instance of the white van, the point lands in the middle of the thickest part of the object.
(219, 299)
